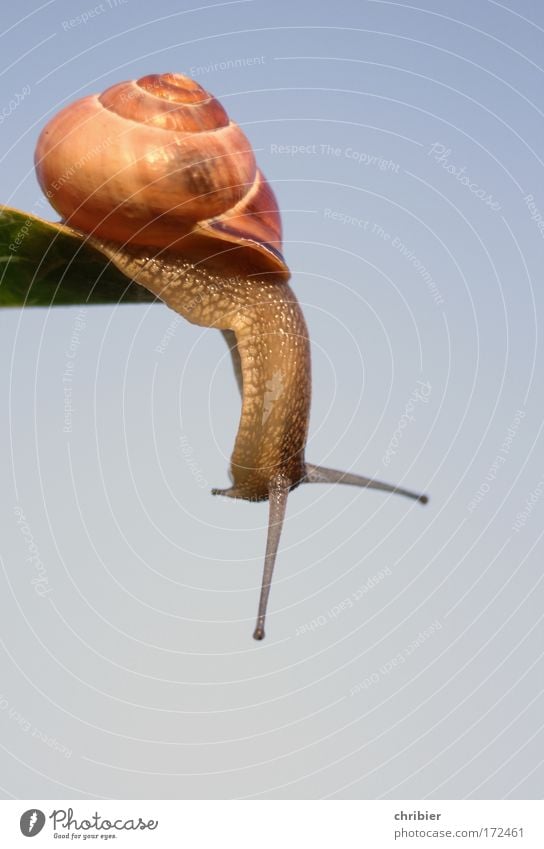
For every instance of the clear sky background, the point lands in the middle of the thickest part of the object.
(403, 656)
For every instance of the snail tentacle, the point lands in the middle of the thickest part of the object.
(277, 499)
(319, 474)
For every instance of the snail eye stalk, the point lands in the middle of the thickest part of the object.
(279, 491)
(318, 474)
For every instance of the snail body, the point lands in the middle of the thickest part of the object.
(275, 366)
(164, 184)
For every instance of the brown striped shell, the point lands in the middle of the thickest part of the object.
(158, 162)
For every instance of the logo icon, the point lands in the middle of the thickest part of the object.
(32, 822)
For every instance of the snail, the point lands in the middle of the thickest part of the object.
(158, 178)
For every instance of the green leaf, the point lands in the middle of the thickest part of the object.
(44, 264)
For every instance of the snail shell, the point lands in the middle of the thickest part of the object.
(158, 162)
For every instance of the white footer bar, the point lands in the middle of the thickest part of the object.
(273, 824)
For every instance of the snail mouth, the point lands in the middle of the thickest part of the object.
(234, 492)
(253, 494)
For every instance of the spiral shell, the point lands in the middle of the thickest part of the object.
(158, 162)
